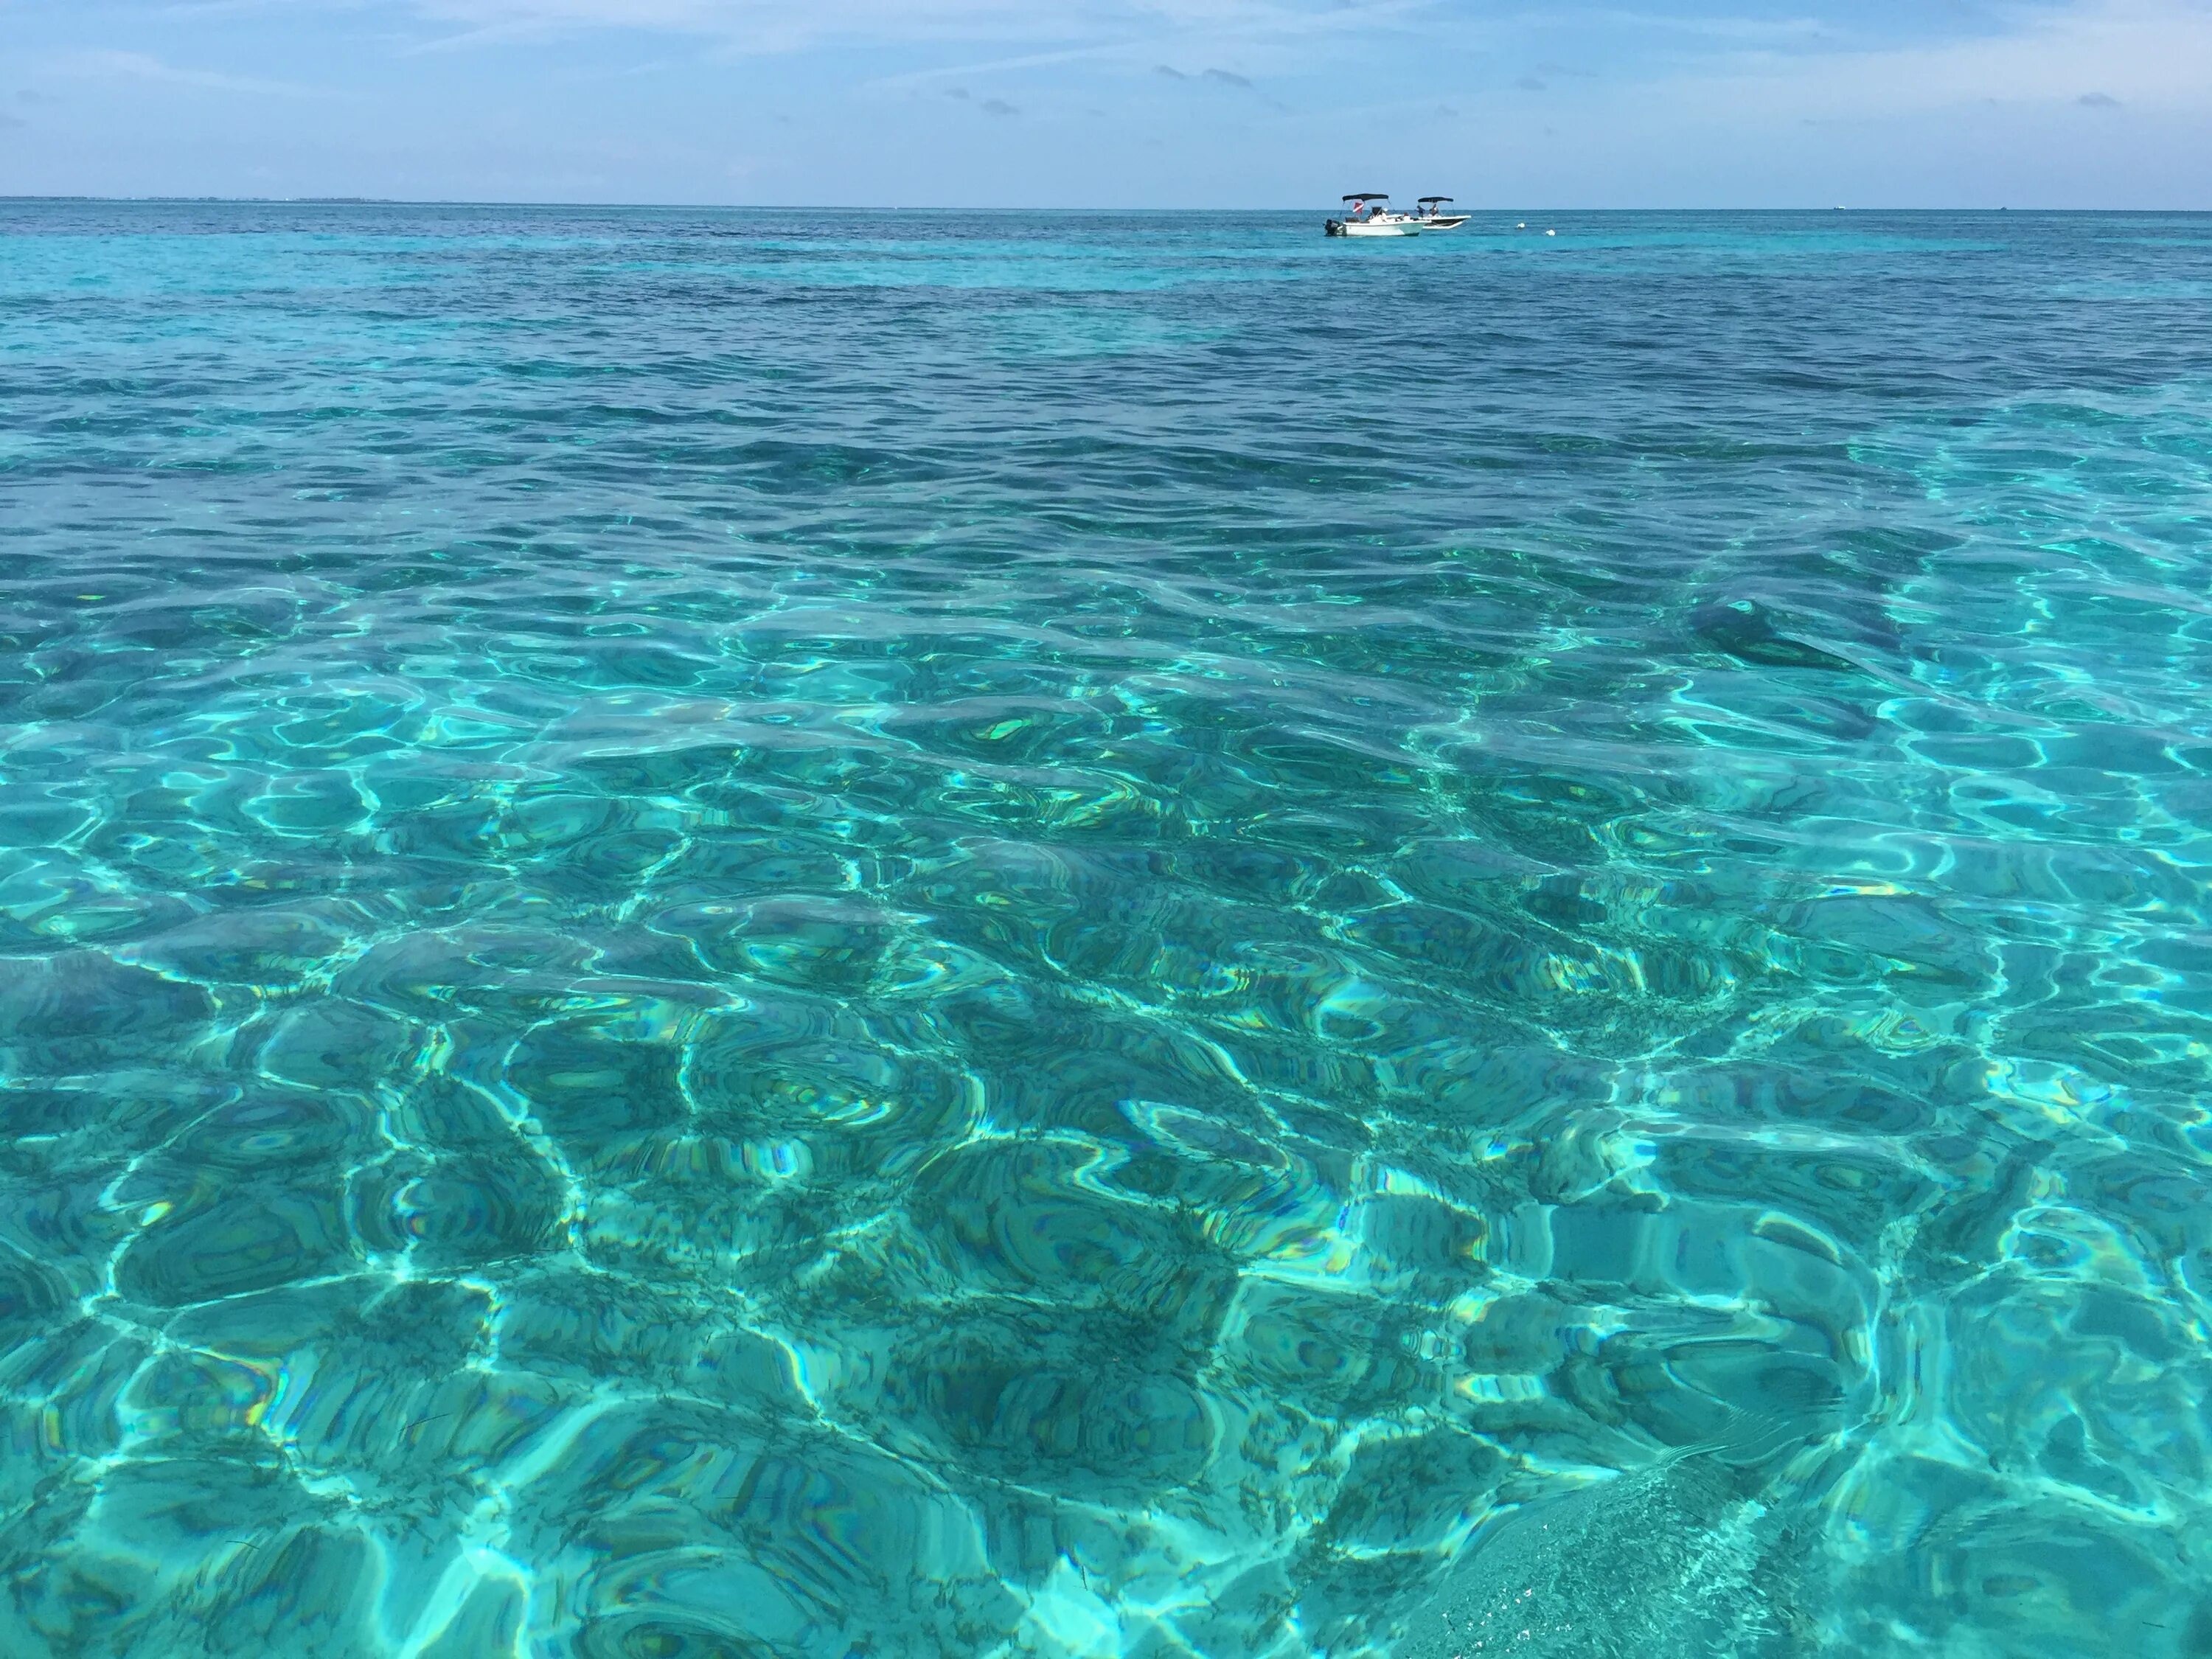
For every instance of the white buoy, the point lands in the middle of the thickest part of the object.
(1551, 233)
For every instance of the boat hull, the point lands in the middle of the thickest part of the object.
(1372, 227)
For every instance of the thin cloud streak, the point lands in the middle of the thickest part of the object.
(785, 26)
(2133, 51)
(100, 63)
(1131, 51)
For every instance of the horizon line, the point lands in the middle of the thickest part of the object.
(864, 207)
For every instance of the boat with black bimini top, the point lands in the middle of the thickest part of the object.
(1368, 214)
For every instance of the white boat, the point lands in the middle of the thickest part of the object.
(1435, 213)
(1369, 215)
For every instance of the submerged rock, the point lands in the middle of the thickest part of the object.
(1747, 631)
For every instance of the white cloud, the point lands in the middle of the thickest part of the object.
(2149, 52)
(1818, 63)
(1104, 26)
(2136, 52)
(93, 64)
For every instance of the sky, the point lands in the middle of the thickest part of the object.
(1108, 103)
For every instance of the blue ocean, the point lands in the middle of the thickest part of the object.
(818, 934)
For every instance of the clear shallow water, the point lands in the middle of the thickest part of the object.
(735, 934)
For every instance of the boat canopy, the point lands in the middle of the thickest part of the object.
(1369, 196)
(1436, 199)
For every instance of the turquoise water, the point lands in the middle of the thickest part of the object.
(787, 936)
